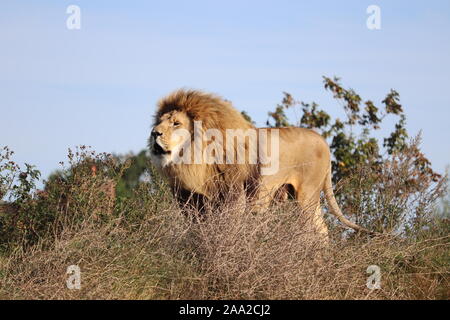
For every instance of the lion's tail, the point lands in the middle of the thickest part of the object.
(334, 207)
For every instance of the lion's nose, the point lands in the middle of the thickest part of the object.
(156, 133)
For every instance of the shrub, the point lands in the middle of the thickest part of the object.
(392, 196)
(84, 190)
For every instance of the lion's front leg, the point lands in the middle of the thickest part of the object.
(190, 202)
(262, 198)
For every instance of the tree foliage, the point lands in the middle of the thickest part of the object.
(138, 166)
(387, 185)
(352, 139)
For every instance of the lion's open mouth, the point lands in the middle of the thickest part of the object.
(158, 150)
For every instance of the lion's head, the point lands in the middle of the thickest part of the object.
(176, 116)
(177, 119)
(164, 141)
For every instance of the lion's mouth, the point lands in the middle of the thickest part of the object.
(158, 150)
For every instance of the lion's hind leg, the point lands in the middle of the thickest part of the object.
(311, 208)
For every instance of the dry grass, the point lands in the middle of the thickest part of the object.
(230, 255)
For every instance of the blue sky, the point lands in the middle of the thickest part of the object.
(98, 86)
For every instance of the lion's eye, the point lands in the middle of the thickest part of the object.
(176, 123)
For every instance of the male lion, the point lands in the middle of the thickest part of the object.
(303, 164)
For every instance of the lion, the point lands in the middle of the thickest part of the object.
(303, 168)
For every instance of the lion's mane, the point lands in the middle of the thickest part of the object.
(212, 110)
(214, 113)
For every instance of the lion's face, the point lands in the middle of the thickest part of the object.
(165, 140)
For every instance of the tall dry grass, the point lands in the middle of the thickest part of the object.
(227, 256)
